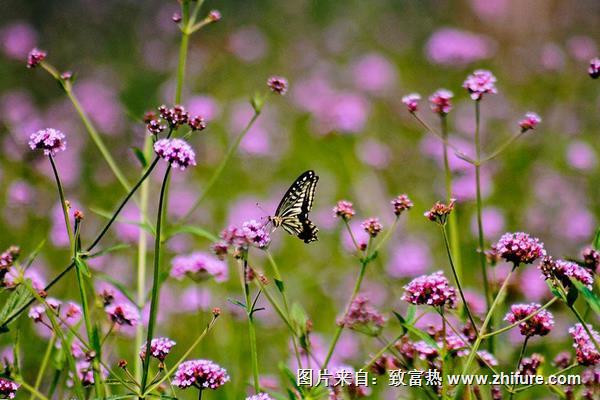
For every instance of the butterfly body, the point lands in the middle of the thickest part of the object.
(292, 211)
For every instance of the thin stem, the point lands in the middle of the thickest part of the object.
(512, 392)
(44, 365)
(183, 49)
(63, 203)
(457, 280)
(502, 147)
(200, 394)
(444, 351)
(155, 277)
(34, 392)
(381, 352)
(517, 323)
(352, 237)
(251, 327)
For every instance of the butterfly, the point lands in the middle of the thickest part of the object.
(292, 211)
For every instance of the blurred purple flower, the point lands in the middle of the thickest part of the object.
(17, 39)
(360, 235)
(102, 103)
(491, 9)
(345, 113)
(199, 266)
(530, 121)
(493, 222)
(594, 68)
(581, 156)
(552, 57)
(204, 105)
(374, 153)
(362, 317)
(248, 44)
(411, 101)
(193, 299)
(457, 48)
(534, 287)
(410, 257)
(374, 73)
(123, 314)
(582, 48)
(19, 193)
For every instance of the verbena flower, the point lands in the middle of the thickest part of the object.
(278, 84)
(479, 83)
(530, 365)
(123, 314)
(412, 102)
(540, 324)
(8, 388)
(372, 226)
(520, 248)
(35, 57)
(198, 266)
(591, 259)
(530, 121)
(38, 312)
(439, 101)
(425, 351)
(344, 209)
(175, 116)
(585, 351)
(440, 211)
(432, 290)
(255, 234)
(259, 396)
(7, 259)
(488, 357)
(215, 16)
(401, 203)
(50, 140)
(176, 152)
(155, 127)
(197, 123)
(363, 317)
(564, 271)
(562, 360)
(594, 69)
(203, 374)
(159, 348)
(252, 233)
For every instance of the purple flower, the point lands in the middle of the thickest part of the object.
(564, 271)
(372, 226)
(456, 48)
(530, 121)
(255, 234)
(585, 351)
(425, 351)
(7, 259)
(260, 396)
(278, 85)
(199, 266)
(197, 123)
(8, 389)
(486, 356)
(50, 140)
(176, 152)
(433, 290)
(344, 210)
(362, 317)
(401, 203)
(35, 57)
(479, 83)
(540, 324)
(17, 39)
(440, 101)
(123, 314)
(374, 73)
(175, 116)
(155, 127)
(594, 69)
(520, 248)
(214, 16)
(412, 102)
(203, 374)
(159, 348)
(530, 365)
(591, 259)
(440, 211)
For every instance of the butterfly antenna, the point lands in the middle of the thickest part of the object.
(266, 217)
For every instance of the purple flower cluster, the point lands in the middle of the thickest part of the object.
(425, 351)
(479, 83)
(176, 152)
(255, 234)
(199, 266)
(487, 358)
(203, 374)
(362, 317)
(594, 69)
(530, 365)
(252, 233)
(344, 209)
(412, 102)
(7, 259)
(175, 116)
(540, 324)
(159, 348)
(591, 259)
(585, 351)
(50, 140)
(433, 290)
(35, 57)
(520, 248)
(530, 121)
(278, 84)
(563, 271)
(401, 203)
(123, 314)
(69, 313)
(259, 396)
(372, 226)
(440, 211)
(8, 388)
(214, 16)
(439, 101)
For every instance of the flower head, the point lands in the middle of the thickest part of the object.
(401, 203)
(155, 127)
(37, 312)
(203, 374)
(372, 226)
(440, 101)
(35, 57)
(123, 314)
(591, 259)
(485, 357)
(540, 324)
(197, 123)
(344, 210)
(175, 116)
(255, 234)
(50, 140)
(8, 388)
(159, 348)
(520, 248)
(530, 121)
(278, 84)
(198, 266)
(564, 271)
(594, 69)
(215, 16)
(7, 259)
(479, 83)
(440, 211)
(530, 365)
(176, 152)
(433, 290)
(585, 351)
(260, 396)
(425, 351)
(412, 102)
(362, 317)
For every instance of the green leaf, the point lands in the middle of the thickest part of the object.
(237, 303)
(289, 375)
(298, 318)
(596, 242)
(572, 295)
(592, 298)
(108, 250)
(193, 230)
(34, 254)
(17, 299)
(417, 332)
(411, 313)
(83, 267)
(139, 154)
(280, 285)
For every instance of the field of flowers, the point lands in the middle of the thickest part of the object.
(446, 153)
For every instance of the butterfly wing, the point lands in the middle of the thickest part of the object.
(295, 205)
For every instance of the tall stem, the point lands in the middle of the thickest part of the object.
(44, 365)
(63, 204)
(251, 328)
(512, 392)
(155, 277)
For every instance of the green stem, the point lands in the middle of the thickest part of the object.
(251, 327)
(34, 392)
(63, 204)
(183, 49)
(444, 351)
(512, 392)
(155, 277)
(502, 147)
(44, 365)
(381, 352)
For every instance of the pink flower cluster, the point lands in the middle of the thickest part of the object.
(199, 266)
(8, 388)
(401, 203)
(252, 233)
(440, 211)
(203, 374)
(433, 290)
(362, 317)
(372, 226)
(69, 313)
(585, 351)
(530, 365)
(176, 152)
(479, 83)
(159, 348)
(278, 85)
(440, 101)
(259, 396)
(344, 209)
(530, 121)
(594, 69)
(540, 324)
(412, 102)
(35, 57)
(123, 314)
(564, 271)
(520, 248)
(50, 140)
(7, 259)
